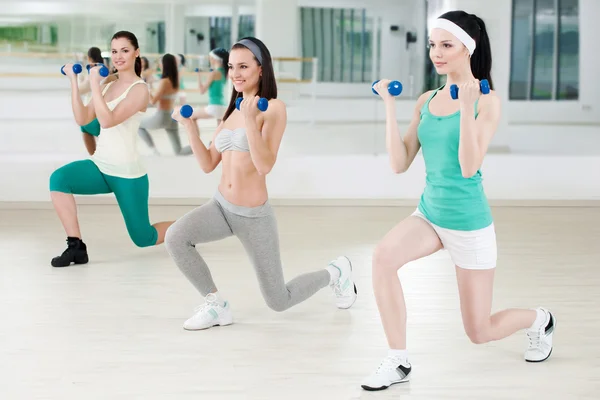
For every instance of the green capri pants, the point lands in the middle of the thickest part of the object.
(84, 177)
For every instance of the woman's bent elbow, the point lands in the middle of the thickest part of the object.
(399, 169)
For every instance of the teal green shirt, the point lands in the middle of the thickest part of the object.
(449, 200)
(216, 90)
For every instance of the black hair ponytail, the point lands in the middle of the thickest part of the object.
(138, 66)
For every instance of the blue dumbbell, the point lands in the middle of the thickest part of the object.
(186, 111)
(484, 85)
(263, 103)
(103, 70)
(76, 68)
(394, 88)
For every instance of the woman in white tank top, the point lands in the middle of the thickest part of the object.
(115, 167)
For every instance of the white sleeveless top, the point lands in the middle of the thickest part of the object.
(116, 150)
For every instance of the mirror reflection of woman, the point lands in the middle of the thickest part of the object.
(164, 98)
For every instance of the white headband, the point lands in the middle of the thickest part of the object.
(213, 55)
(457, 31)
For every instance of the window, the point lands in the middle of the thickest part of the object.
(220, 30)
(246, 26)
(545, 50)
(342, 41)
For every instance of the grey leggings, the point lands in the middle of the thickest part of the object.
(256, 228)
(161, 119)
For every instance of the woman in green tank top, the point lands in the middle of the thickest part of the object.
(215, 84)
(453, 212)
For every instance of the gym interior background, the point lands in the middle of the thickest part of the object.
(331, 51)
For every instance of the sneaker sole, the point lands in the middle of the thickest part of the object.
(539, 361)
(208, 327)
(76, 261)
(373, 389)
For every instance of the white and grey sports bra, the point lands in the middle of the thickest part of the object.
(232, 140)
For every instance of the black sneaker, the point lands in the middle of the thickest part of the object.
(76, 252)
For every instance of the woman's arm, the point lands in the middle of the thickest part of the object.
(264, 143)
(476, 134)
(83, 114)
(208, 159)
(213, 76)
(401, 150)
(136, 101)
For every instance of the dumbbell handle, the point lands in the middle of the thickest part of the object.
(76, 69)
(263, 103)
(103, 69)
(484, 86)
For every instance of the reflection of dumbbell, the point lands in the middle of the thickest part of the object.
(484, 85)
(76, 69)
(186, 111)
(103, 70)
(263, 103)
(394, 88)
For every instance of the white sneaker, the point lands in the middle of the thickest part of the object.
(209, 314)
(344, 288)
(540, 339)
(390, 371)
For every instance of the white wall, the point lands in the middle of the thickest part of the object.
(200, 25)
(218, 10)
(280, 33)
(174, 28)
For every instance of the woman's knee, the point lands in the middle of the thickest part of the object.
(478, 333)
(276, 303)
(387, 259)
(143, 236)
(175, 236)
(59, 181)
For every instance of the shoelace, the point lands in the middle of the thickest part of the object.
(71, 246)
(387, 364)
(209, 301)
(535, 338)
(337, 288)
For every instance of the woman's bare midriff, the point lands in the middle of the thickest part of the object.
(166, 104)
(240, 182)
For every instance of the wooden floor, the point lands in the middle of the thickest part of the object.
(113, 329)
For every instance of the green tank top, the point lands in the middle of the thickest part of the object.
(216, 89)
(449, 200)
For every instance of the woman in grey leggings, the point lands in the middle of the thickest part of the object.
(246, 142)
(168, 86)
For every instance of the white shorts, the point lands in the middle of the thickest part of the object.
(215, 110)
(468, 249)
